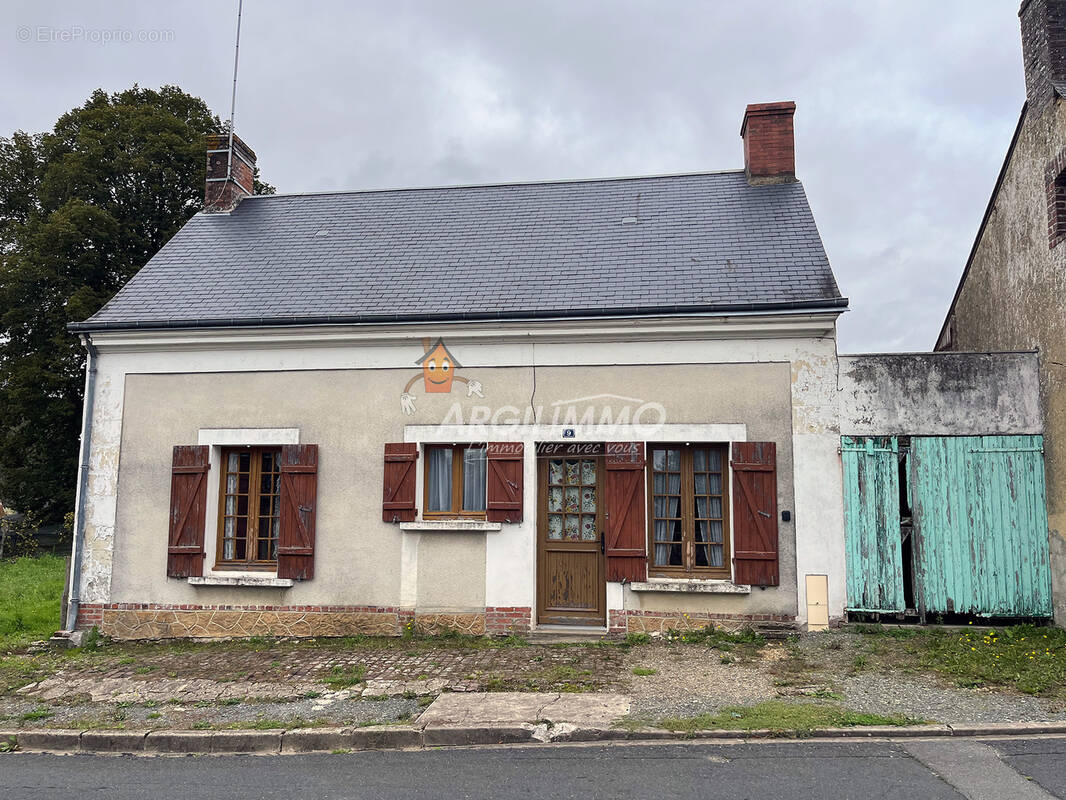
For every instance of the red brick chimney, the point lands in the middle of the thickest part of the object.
(226, 187)
(769, 143)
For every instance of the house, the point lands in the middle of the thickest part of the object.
(645, 434)
(1010, 296)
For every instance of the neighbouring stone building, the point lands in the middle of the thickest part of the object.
(1012, 295)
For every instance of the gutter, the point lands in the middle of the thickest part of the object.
(834, 304)
(70, 617)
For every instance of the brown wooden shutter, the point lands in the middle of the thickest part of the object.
(627, 536)
(188, 511)
(299, 496)
(755, 513)
(504, 481)
(398, 504)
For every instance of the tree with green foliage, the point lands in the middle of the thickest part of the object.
(82, 208)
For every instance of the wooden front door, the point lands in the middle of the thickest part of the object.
(571, 585)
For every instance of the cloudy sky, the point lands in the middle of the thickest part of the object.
(905, 107)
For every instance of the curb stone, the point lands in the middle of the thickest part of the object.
(386, 737)
(245, 741)
(96, 741)
(459, 735)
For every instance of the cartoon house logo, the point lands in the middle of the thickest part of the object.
(437, 375)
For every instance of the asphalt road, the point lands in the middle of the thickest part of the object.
(794, 770)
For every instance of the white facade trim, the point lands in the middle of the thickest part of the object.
(613, 329)
(250, 437)
(267, 580)
(445, 525)
(689, 585)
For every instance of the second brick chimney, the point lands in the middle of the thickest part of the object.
(769, 143)
(226, 187)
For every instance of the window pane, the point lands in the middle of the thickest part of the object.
(715, 508)
(588, 528)
(573, 473)
(571, 527)
(716, 555)
(588, 499)
(474, 477)
(439, 479)
(588, 473)
(701, 483)
(714, 460)
(555, 472)
(571, 501)
(555, 526)
(701, 507)
(716, 532)
(555, 499)
(673, 459)
(658, 460)
(675, 483)
(699, 459)
(702, 558)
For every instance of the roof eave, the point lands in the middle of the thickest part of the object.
(837, 304)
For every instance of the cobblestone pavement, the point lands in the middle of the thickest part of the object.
(211, 673)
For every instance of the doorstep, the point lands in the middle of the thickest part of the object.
(565, 634)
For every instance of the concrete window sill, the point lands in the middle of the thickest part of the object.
(264, 581)
(694, 586)
(446, 525)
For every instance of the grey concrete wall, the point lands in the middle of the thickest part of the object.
(1014, 298)
(940, 394)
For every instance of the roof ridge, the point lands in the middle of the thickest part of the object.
(546, 182)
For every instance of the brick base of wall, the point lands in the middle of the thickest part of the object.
(160, 621)
(659, 622)
(507, 620)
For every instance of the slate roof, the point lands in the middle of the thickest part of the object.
(702, 242)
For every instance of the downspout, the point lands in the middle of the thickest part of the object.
(77, 546)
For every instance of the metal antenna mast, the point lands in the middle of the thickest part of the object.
(233, 97)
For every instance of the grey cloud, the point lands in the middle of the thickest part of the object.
(905, 107)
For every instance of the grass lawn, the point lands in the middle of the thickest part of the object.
(776, 715)
(1023, 657)
(31, 590)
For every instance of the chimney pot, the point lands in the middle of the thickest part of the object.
(769, 143)
(226, 187)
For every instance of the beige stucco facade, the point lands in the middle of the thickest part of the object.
(719, 386)
(1013, 297)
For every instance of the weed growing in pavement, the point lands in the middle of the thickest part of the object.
(643, 671)
(9, 745)
(344, 677)
(37, 713)
(788, 718)
(744, 644)
(637, 639)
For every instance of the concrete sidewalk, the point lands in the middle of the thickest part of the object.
(463, 720)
